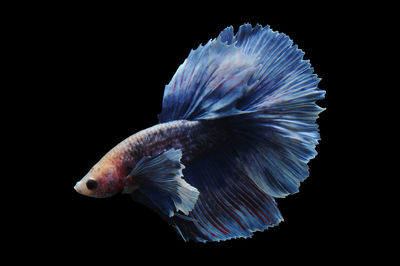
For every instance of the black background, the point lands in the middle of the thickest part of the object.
(117, 62)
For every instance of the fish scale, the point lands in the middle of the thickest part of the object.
(192, 137)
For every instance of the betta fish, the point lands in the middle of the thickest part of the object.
(236, 131)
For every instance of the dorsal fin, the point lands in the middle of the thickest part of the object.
(209, 83)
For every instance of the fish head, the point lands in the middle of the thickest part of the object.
(101, 181)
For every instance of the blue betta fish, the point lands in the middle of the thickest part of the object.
(237, 129)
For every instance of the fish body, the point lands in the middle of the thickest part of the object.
(193, 138)
(237, 129)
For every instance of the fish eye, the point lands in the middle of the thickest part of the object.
(91, 184)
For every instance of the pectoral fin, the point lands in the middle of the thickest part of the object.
(159, 180)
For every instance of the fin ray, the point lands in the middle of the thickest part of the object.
(159, 178)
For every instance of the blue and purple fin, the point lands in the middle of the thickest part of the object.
(258, 83)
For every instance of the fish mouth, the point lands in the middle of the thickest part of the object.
(77, 188)
(80, 187)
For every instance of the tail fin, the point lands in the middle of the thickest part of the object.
(258, 83)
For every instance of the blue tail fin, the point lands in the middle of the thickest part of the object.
(258, 84)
